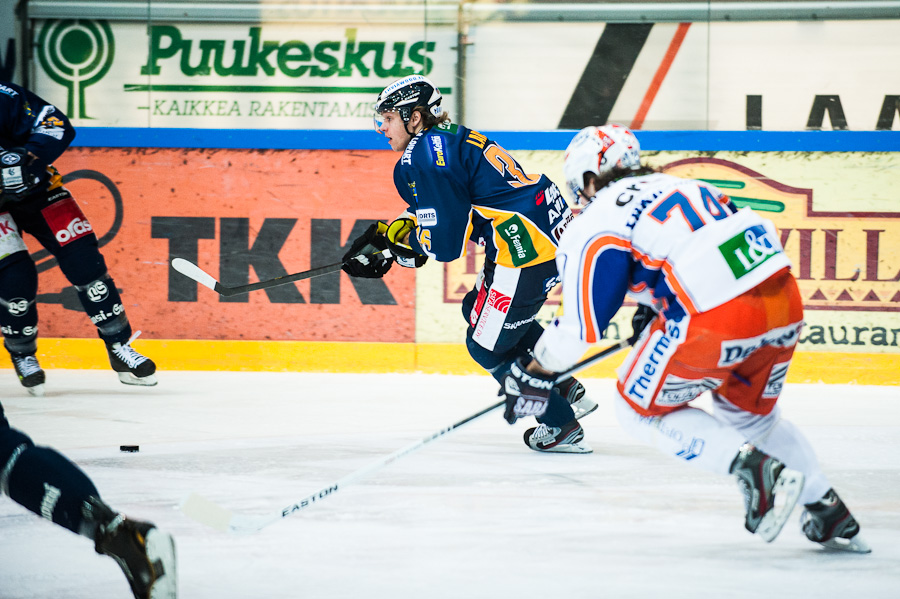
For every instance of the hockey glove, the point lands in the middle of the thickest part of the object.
(642, 318)
(16, 180)
(364, 258)
(398, 241)
(526, 394)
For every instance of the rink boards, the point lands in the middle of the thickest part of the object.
(429, 358)
(246, 214)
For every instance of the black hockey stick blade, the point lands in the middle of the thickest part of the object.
(192, 271)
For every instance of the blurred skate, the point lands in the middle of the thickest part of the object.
(770, 491)
(829, 523)
(575, 393)
(566, 439)
(145, 554)
(30, 373)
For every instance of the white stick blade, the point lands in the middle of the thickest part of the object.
(192, 271)
(199, 508)
(241, 524)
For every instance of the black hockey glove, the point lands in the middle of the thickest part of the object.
(642, 318)
(526, 394)
(16, 179)
(364, 258)
(398, 241)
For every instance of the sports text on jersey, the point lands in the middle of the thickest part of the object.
(426, 217)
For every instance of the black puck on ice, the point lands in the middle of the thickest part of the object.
(129, 448)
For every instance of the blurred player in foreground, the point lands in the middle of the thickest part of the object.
(45, 482)
(461, 186)
(729, 317)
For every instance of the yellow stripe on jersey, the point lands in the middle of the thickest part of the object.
(533, 248)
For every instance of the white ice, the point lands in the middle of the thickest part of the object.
(474, 514)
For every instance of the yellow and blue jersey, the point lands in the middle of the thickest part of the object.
(462, 186)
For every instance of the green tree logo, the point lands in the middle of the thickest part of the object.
(76, 53)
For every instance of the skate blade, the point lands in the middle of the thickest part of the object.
(853, 545)
(787, 492)
(161, 553)
(583, 407)
(141, 381)
(568, 448)
(36, 391)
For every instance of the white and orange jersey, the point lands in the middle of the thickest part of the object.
(678, 244)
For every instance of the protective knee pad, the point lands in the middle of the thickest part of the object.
(81, 261)
(530, 338)
(102, 303)
(755, 427)
(18, 309)
(688, 434)
(43, 481)
(496, 364)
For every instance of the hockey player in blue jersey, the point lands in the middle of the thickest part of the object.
(458, 186)
(34, 133)
(46, 483)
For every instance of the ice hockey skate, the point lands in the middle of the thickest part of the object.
(566, 439)
(575, 393)
(133, 367)
(30, 373)
(770, 490)
(145, 554)
(829, 523)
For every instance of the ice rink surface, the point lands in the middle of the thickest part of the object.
(475, 514)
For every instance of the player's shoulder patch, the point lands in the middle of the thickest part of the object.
(447, 126)
(8, 91)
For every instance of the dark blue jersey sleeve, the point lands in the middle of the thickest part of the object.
(440, 199)
(463, 187)
(27, 121)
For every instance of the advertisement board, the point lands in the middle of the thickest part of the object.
(224, 75)
(517, 76)
(241, 216)
(247, 215)
(839, 221)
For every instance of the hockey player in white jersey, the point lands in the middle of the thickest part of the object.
(728, 317)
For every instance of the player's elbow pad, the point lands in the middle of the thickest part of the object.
(397, 235)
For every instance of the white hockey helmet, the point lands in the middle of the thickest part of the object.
(404, 95)
(599, 150)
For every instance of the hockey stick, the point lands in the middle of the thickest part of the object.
(215, 516)
(192, 271)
